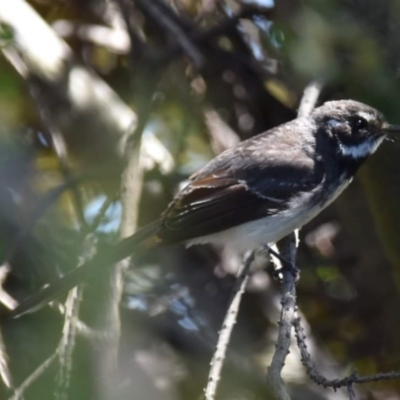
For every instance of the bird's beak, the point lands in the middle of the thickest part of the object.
(387, 128)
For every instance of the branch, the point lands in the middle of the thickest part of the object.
(41, 369)
(67, 343)
(166, 19)
(131, 189)
(5, 299)
(5, 372)
(200, 37)
(11, 304)
(66, 346)
(309, 98)
(288, 248)
(116, 40)
(60, 149)
(319, 379)
(43, 204)
(224, 336)
(136, 45)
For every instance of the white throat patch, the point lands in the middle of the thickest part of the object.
(360, 150)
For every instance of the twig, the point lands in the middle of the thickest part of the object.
(42, 205)
(5, 372)
(130, 196)
(5, 299)
(102, 212)
(162, 15)
(202, 37)
(136, 47)
(288, 248)
(350, 391)
(222, 136)
(346, 382)
(89, 333)
(60, 148)
(11, 304)
(61, 151)
(131, 190)
(19, 391)
(309, 98)
(227, 327)
(116, 40)
(67, 343)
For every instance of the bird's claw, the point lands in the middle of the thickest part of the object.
(287, 267)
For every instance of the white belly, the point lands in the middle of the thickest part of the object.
(268, 229)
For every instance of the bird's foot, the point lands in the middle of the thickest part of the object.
(287, 266)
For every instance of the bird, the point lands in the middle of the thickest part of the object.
(256, 192)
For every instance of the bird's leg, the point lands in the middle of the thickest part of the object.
(286, 265)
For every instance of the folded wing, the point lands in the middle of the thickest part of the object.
(226, 198)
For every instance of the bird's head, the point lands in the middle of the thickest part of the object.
(357, 129)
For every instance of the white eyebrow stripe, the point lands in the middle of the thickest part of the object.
(366, 115)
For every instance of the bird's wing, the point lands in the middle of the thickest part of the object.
(219, 199)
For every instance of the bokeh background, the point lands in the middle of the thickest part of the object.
(78, 104)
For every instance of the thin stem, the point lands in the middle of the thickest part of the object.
(217, 361)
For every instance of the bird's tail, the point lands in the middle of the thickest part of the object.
(144, 239)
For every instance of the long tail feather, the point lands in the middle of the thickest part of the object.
(143, 239)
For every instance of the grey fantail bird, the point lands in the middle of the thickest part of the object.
(256, 192)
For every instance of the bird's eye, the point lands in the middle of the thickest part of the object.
(359, 124)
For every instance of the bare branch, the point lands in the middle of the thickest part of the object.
(116, 40)
(200, 37)
(288, 253)
(5, 372)
(41, 369)
(60, 148)
(136, 46)
(164, 17)
(11, 304)
(309, 98)
(346, 382)
(5, 299)
(102, 212)
(224, 336)
(67, 343)
(222, 136)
